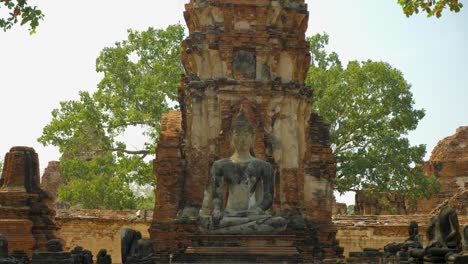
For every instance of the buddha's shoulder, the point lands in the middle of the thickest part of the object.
(262, 163)
(222, 162)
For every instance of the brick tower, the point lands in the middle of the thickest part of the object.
(249, 54)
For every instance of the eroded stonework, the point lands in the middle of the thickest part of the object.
(27, 217)
(52, 178)
(449, 163)
(250, 55)
(382, 203)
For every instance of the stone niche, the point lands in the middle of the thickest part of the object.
(249, 55)
(449, 164)
(26, 217)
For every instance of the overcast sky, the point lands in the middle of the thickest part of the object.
(39, 71)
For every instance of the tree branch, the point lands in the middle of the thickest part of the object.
(132, 152)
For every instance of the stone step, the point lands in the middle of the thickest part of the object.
(274, 251)
(239, 255)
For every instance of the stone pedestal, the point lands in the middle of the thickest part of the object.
(366, 257)
(241, 249)
(458, 260)
(52, 257)
(7, 261)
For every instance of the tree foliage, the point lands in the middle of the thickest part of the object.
(370, 109)
(368, 105)
(431, 7)
(141, 76)
(20, 11)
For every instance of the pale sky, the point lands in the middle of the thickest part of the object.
(39, 71)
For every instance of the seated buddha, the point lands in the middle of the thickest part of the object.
(250, 185)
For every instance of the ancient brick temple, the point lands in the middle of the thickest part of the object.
(383, 203)
(449, 164)
(27, 219)
(52, 178)
(250, 55)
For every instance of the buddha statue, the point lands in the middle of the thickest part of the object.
(103, 257)
(401, 250)
(465, 239)
(4, 258)
(250, 185)
(461, 257)
(134, 249)
(3, 246)
(415, 239)
(443, 236)
(447, 237)
(54, 245)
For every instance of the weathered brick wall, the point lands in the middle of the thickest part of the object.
(26, 213)
(52, 178)
(339, 209)
(249, 55)
(358, 232)
(96, 229)
(449, 163)
(382, 203)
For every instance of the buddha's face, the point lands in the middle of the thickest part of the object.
(242, 139)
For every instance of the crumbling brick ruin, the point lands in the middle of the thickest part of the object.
(379, 204)
(52, 178)
(27, 217)
(449, 163)
(250, 55)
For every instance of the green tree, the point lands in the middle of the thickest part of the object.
(431, 7)
(141, 76)
(19, 11)
(369, 107)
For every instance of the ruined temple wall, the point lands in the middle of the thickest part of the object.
(249, 55)
(26, 214)
(284, 137)
(100, 229)
(380, 203)
(52, 178)
(358, 232)
(253, 55)
(95, 229)
(449, 164)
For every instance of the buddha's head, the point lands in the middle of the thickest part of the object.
(413, 229)
(242, 133)
(54, 245)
